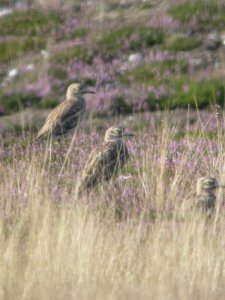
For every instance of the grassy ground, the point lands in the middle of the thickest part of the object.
(139, 237)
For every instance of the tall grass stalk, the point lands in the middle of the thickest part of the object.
(138, 238)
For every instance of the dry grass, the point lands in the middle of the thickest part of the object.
(148, 244)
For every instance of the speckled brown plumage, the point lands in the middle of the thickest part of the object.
(63, 118)
(66, 116)
(205, 194)
(105, 161)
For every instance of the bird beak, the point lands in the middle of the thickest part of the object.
(88, 92)
(128, 134)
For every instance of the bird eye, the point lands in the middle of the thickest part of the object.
(209, 182)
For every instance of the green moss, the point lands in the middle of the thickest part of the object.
(181, 43)
(77, 52)
(129, 37)
(33, 23)
(12, 49)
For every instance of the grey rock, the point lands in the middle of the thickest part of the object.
(135, 58)
(213, 41)
(5, 12)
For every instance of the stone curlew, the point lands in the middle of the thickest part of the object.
(66, 116)
(205, 193)
(106, 160)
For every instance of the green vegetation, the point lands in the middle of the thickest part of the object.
(152, 73)
(76, 52)
(184, 93)
(197, 134)
(145, 5)
(57, 72)
(130, 37)
(18, 101)
(11, 49)
(33, 23)
(194, 93)
(80, 32)
(140, 74)
(47, 102)
(181, 43)
(13, 103)
(207, 12)
(185, 11)
(119, 106)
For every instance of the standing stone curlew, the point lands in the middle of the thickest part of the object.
(66, 116)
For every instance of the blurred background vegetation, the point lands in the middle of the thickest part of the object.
(139, 55)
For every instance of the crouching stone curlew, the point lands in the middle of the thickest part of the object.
(66, 116)
(106, 160)
(205, 193)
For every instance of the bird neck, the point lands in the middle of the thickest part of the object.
(71, 95)
(118, 141)
(201, 191)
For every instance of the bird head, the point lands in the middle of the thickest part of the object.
(116, 133)
(76, 89)
(207, 184)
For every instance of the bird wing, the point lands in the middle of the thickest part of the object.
(63, 118)
(102, 163)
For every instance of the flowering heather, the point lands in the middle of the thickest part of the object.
(41, 87)
(140, 235)
(163, 21)
(146, 209)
